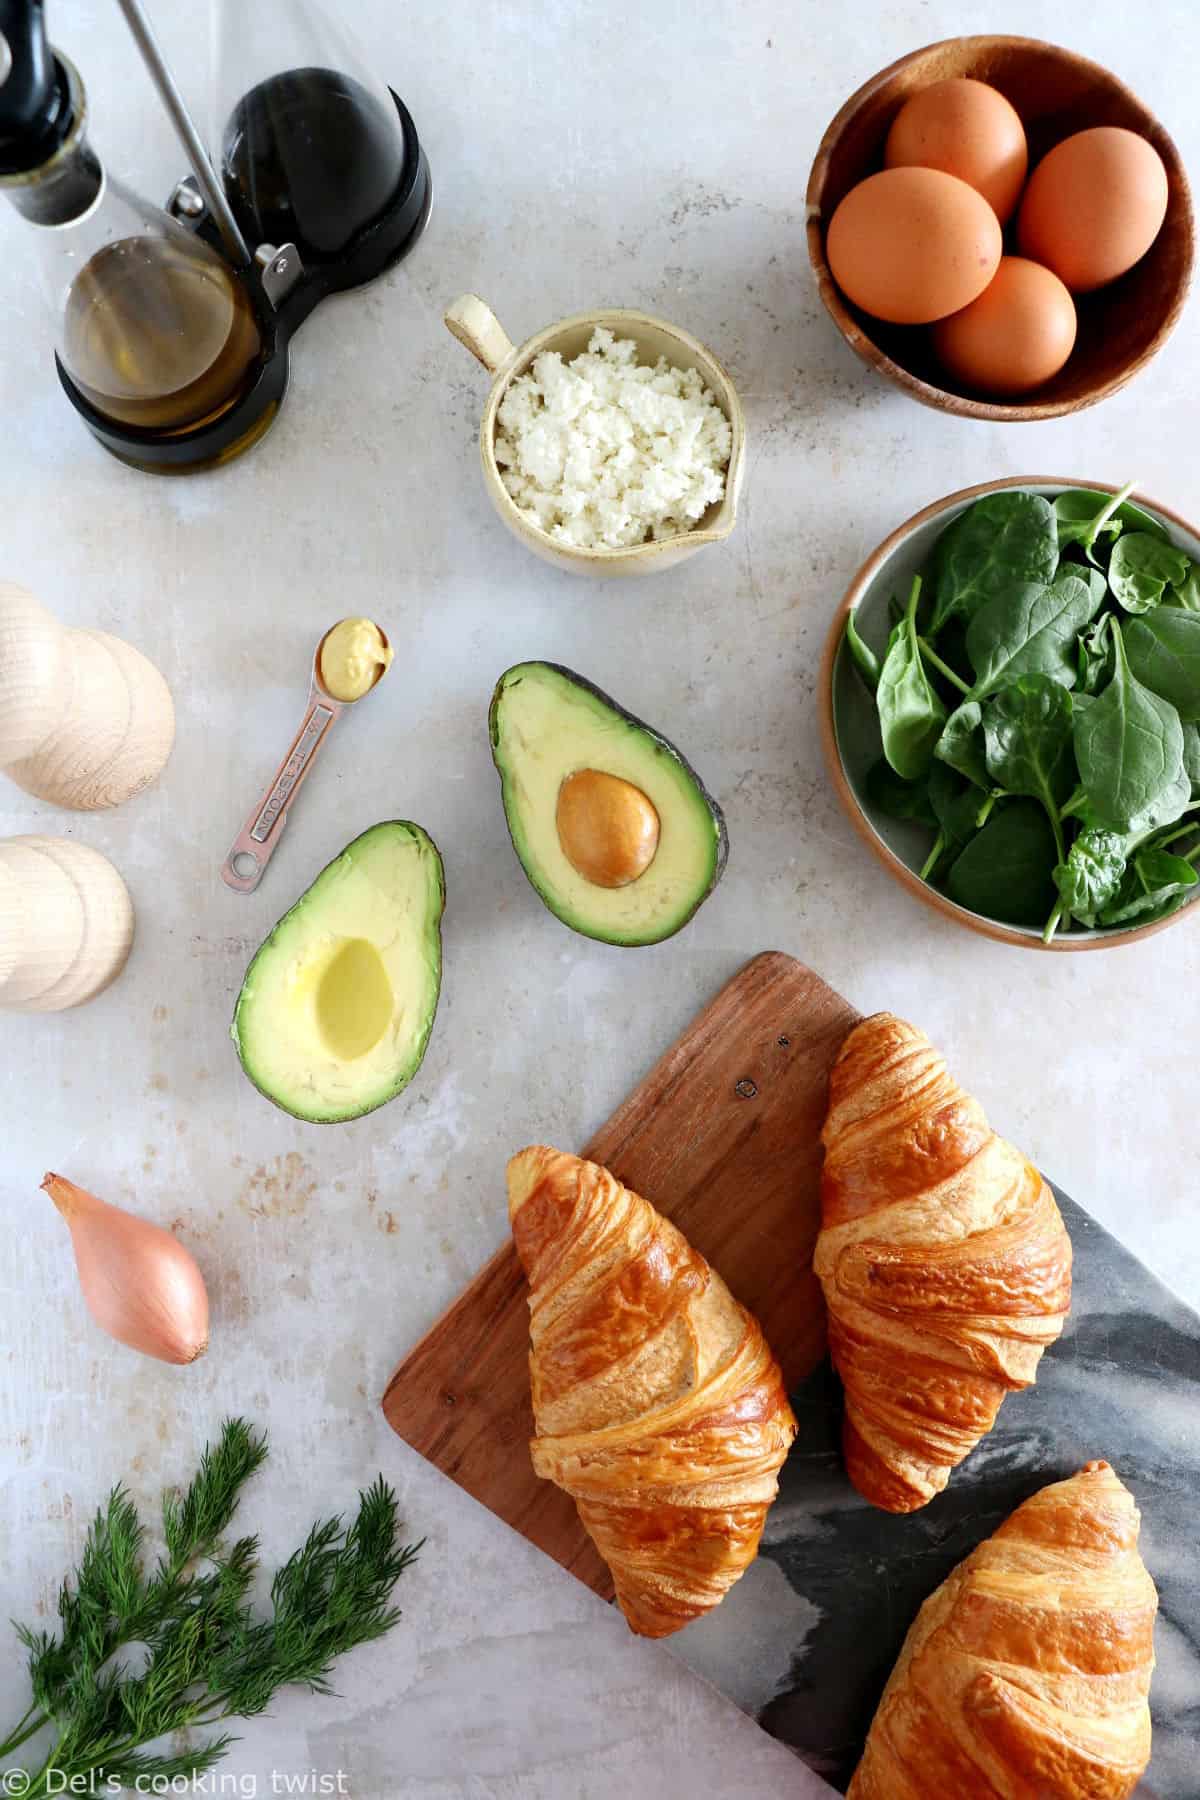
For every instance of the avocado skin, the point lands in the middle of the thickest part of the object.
(664, 743)
(421, 1042)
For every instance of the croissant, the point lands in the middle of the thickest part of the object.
(944, 1260)
(658, 1405)
(1025, 1675)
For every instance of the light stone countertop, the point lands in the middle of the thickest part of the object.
(653, 155)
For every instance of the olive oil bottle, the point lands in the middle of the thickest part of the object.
(158, 333)
(152, 326)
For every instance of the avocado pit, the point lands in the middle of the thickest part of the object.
(607, 827)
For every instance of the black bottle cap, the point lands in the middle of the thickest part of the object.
(35, 102)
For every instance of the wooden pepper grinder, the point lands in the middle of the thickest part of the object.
(66, 923)
(85, 720)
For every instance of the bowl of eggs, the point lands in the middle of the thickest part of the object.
(1001, 227)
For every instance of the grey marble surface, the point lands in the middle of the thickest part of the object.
(648, 154)
(808, 1638)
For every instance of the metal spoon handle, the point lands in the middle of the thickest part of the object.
(255, 843)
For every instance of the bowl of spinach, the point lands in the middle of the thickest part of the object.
(1011, 710)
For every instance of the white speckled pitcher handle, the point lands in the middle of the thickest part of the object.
(475, 324)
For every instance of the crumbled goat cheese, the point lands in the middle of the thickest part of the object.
(604, 450)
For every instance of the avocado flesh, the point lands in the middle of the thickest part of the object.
(547, 723)
(337, 1006)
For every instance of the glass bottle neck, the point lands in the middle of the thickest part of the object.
(66, 184)
(61, 193)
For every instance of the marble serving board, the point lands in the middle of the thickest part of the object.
(807, 1638)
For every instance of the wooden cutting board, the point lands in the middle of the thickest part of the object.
(723, 1137)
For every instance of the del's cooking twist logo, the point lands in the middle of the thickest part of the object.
(17, 1782)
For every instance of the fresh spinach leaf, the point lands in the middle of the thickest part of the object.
(889, 794)
(1136, 520)
(1186, 594)
(1129, 747)
(1083, 517)
(1155, 883)
(1163, 810)
(1154, 909)
(861, 653)
(959, 806)
(1191, 758)
(1028, 744)
(1001, 541)
(1164, 653)
(960, 809)
(1095, 656)
(961, 743)
(1031, 629)
(952, 648)
(1141, 569)
(911, 715)
(1006, 871)
(1091, 875)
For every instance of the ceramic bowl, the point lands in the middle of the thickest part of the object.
(1056, 93)
(475, 325)
(850, 724)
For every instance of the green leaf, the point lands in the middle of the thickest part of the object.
(998, 543)
(1031, 630)
(961, 743)
(911, 715)
(1091, 875)
(1081, 518)
(896, 798)
(1163, 810)
(1164, 653)
(1096, 657)
(1141, 569)
(1084, 515)
(1191, 758)
(1160, 883)
(331, 1595)
(861, 653)
(202, 1654)
(1028, 741)
(194, 1522)
(1129, 746)
(1186, 594)
(956, 803)
(1006, 871)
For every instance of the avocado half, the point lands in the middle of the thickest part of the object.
(337, 1005)
(546, 725)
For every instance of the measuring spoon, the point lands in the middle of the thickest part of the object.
(255, 843)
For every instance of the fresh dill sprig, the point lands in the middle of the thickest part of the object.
(207, 1657)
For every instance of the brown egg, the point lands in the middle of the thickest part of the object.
(1093, 206)
(911, 245)
(1016, 335)
(608, 829)
(967, 129)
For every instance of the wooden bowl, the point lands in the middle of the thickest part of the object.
(1056, 93)
(849, 722)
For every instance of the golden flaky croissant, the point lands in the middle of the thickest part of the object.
(944, 1259)
(658, 1405)
(1025, 1675)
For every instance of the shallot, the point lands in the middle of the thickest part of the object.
(140, 1284)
